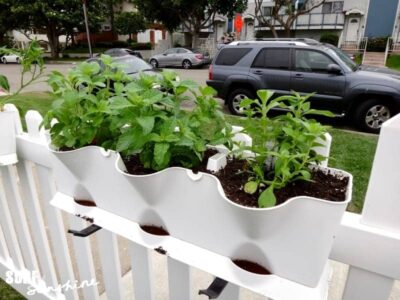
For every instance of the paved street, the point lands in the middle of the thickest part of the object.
(198, 75)
(12, 71)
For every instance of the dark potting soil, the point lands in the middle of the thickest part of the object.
(85, 202)
(135, 167)
(323, 185)
(233, 177)
(251, 267)
(155, 230)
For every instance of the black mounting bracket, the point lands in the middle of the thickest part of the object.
(85, 232)
(215, 289)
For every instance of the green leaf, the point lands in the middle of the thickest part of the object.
(147, 124)
(264, 95)
(246, 102)
(251, 187)
(161, 155)
(4, 83)
(119, 103)
(207, 91)
(267, 198)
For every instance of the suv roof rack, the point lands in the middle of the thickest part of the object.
(297, 43)
(304, 40)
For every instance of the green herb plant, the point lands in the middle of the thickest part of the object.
(287, 150)
(81, 111)
(32, 68)
(154, 126)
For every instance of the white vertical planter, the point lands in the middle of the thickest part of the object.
(8, 147)
(292, 240)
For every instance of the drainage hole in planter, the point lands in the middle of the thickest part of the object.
(85, 202)
(155, 230)
(251, 267)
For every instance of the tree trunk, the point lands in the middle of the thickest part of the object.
(52, 36)
(2, 35)
(274, 33)
(111, 14)
(171, 38)
(194, 38)
(287, 32)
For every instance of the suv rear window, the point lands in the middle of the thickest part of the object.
(231, 56)
(272, 59)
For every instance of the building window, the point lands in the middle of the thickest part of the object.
(267, 11)
(332, 7)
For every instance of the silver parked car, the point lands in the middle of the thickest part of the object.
(132, 65)
(180, 57)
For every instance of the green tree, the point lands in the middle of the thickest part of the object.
(56, 17)
(284, 13)
(129, 23)
(8, 20)
(193, 15)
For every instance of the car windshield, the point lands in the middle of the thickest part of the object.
(132, 64)
(344, 58)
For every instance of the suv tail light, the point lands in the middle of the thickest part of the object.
(199, 56)
(210, 72)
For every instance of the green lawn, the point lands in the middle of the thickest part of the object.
(393, 62)
(40, 101)
(8, 293)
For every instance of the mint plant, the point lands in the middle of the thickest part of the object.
(32, 68)
(154, 126)
(286, 152)
(81, 109)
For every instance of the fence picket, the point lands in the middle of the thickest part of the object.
(4, 254)
(47, 188)
(17, 118)
(84, 260)
(15, 207)
(142, 272)
(179, 280)
(57, 230)
(35, 216)
(231, 292)
(110, 262)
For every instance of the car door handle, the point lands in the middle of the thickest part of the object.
(258, 72)
(299, 76)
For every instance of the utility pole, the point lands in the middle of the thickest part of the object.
(84, 4)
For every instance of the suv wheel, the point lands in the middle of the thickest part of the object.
(236, 97)
(371, 114)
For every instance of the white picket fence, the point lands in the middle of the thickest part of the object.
(33, 237)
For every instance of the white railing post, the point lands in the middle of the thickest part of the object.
(381, 211)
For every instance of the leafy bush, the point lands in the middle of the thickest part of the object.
(377, 44)
(287, 150)
(329, 38)
(141, 46)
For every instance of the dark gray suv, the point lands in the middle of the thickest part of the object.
(367, 95)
